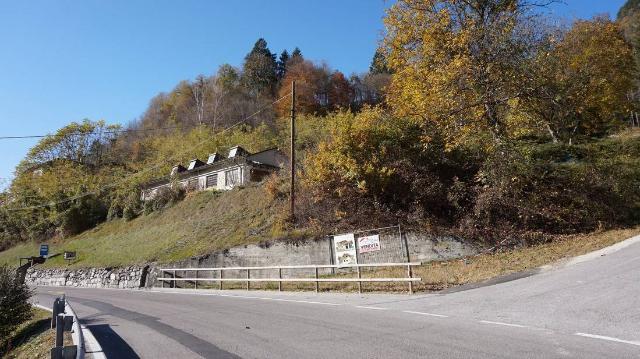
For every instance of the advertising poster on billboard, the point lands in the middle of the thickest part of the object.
(369, 243)
(345, 249)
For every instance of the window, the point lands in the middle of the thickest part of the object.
(232, 177)
(212, 181)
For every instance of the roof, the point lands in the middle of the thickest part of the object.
(218, 165)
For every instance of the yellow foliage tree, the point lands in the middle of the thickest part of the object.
(458, 65)
(583, 81)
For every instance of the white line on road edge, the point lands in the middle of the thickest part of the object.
(247, 297)
(92, 346)
(43, 307)
(427, 314)
(504, 324)
(611, 339)
(366, 307)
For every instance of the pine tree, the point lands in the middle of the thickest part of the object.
(259, 70)
(282, 64)
(296, 55)
(379, 63)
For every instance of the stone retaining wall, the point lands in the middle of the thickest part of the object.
(125, 277)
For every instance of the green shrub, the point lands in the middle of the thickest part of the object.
(14, 303)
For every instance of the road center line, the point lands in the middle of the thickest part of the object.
(611, 339)
(427, 314)
(504, 324)
(373, 308)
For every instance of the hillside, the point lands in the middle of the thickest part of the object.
(202, 223)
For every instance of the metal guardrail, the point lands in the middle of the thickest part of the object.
(221, 279)
(64, 319)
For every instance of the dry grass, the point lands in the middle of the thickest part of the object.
(34, 339)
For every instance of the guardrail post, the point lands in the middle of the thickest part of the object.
(317, 283)
(60, 330)
(248, 277)
(280, 277)
(195, 282)
(220, 278)
(163, 274)
(410, 275)
(359, 282)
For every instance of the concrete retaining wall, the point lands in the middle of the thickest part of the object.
(421, 248)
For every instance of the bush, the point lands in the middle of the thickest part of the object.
(15, 308)
(164, 198)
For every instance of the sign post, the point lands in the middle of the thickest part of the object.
(44, 250)
(69, 256)
(345, 249)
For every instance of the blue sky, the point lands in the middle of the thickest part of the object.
(63, 61)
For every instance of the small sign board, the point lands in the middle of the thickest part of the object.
(345, 249)
(44, 250)
(69, 255)
(369, 243)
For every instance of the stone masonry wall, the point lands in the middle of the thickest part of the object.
(125, 277)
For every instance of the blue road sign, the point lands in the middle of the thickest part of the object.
(44, 250)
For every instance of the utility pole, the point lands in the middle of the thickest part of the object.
(292, 196)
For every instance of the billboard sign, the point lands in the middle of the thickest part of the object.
(345, 249)
(44, 250)
(369, 243)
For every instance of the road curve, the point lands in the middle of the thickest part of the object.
(587, 310)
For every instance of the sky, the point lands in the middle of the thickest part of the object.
(64, 61)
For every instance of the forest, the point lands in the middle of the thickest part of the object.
(484, 119)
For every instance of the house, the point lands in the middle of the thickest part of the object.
(218, 173)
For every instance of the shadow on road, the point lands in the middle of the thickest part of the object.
(112, 345)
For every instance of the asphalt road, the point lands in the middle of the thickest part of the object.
(586, 310)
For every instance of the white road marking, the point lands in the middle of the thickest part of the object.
(611, 339)
(504, 324)
(43, 307)
(366, 307)
(246, 297)
(427, 314)
(91, 344)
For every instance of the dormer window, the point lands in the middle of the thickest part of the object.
(237, 151)
(195, 163)
(177, 169)
(214, 157)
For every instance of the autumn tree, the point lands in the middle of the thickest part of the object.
(458, 64)
(311, 94)
(340, 92)
(582, 81)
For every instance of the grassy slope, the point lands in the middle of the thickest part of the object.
(34, 339)
(202, 223)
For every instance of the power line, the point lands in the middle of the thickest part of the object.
(96, 192)
(80, 133)
(104, 132)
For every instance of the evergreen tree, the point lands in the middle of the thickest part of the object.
(379, 63)
(259, 70)
(282, 64)
(296, 55)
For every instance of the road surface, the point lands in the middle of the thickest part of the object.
(587, 310)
